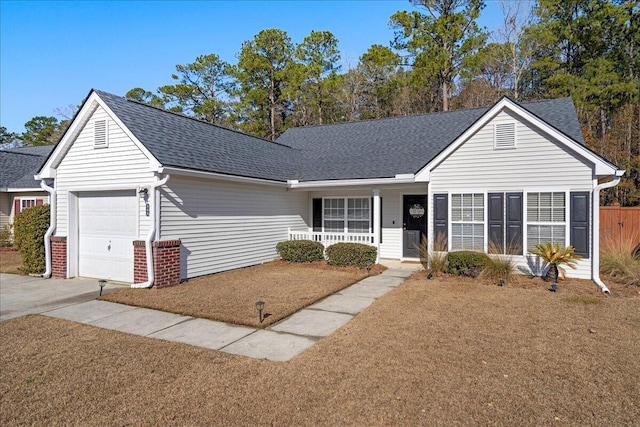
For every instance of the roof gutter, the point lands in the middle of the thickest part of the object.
(595, 258)
(51, 229)
(152, 233)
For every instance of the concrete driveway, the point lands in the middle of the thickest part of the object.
(20, 295)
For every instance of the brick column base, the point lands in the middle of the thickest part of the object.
(59, 257)
(166, 263)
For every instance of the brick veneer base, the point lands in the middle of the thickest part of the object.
(166, 263)
(59, 257)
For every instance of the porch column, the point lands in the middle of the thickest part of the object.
(376, 222)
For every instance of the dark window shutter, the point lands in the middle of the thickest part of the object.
(16, 206)
(496, 222)
(579, 222)
(38, 202)
(317, 214)
(514, 223)
(440, 217)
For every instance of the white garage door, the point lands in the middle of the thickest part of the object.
(107, 226)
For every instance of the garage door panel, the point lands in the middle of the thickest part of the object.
(107, 226)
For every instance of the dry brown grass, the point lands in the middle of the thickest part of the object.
(427, 353)
(231, 296)
(10, 262)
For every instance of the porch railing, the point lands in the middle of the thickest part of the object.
(329, 238)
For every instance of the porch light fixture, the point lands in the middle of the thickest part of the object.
(101, 283)
(143, 191)
(554, 287)
(260, 307)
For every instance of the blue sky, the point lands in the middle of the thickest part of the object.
(53, 53)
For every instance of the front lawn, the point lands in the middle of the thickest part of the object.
(231, 296)
(427, 353)
(10, 262)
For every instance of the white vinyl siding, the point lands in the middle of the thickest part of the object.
(5, 210)
(467, 222)
(546, 215)
(225, 225)
(538, 164)
(84, 167)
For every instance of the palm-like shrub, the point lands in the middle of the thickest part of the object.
(555, 256)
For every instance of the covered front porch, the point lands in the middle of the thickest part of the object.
(392, 218)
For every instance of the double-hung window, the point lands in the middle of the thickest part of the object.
(467, 222)
(347, 215)
(27, 203)
(546, 218)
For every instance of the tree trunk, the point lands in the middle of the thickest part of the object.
(445, 96)
(552, 274)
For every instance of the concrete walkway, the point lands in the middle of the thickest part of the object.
(278, 342)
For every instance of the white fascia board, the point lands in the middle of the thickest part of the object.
(602, 167)
(48, 171)
(23, 190)
(221, 176)
(309, 185)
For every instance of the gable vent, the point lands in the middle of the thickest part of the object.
(504, 136)
(100, 134)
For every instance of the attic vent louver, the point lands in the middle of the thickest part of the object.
(100, 139)
(504, 136)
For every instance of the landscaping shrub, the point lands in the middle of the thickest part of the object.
(29, 228)
(351, 254)
(466, 263)
(300, 250)
(5, 237)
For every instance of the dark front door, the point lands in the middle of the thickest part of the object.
(414, 224)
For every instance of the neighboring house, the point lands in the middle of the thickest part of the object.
(132, 181)
(18, 188)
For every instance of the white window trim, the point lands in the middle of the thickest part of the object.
(484, 218)
(26, 199)
(526, 222)
(346, 214)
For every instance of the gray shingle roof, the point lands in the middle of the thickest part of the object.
(366, 149)
(179, 141)
(19, 165)
(401, 145)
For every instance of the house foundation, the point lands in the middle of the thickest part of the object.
(59, 257)
(166, 263)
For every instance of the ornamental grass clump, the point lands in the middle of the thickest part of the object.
(555, 257)
(344, 254)
(434, 261)
(300, 250)
(29, 228)
(620, 259)
(499, 265)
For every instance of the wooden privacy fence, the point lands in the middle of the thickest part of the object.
(619, 225)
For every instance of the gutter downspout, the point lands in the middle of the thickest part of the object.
(51, 229)
(152, 233)
(595, 259)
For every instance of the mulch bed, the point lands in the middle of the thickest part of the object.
(430, 352)
(231, 296)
